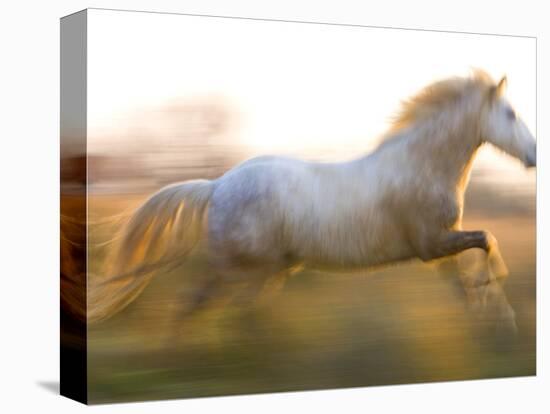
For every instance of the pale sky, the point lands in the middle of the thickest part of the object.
(296, 87)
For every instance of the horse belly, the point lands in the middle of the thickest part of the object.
(347, 241)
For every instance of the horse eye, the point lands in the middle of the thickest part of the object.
(510, 114)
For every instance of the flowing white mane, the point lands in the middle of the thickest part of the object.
(439, 95)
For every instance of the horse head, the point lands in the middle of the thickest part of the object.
(503, 128)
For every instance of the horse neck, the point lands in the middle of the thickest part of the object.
(442, 147)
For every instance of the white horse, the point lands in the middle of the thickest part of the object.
(270, 215)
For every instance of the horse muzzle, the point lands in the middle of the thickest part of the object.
(531, 159)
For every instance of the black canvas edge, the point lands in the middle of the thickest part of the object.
(73, 140)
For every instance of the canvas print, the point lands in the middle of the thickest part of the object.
(254, 206)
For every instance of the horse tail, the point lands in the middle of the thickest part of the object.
(157, 237)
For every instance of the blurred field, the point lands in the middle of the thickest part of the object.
(400, 324)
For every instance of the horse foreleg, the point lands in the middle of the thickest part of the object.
(454, 242)
(498, 305)
(469, 285)
(487, 300)
(449, 269)
(472, 283)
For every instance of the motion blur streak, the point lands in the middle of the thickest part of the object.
(399, 324)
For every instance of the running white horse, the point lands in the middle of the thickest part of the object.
(270, 215)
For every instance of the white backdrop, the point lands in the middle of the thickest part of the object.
(29, 104)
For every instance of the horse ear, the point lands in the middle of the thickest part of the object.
(501, 86)
(497, 90)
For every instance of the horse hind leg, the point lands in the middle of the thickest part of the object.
(226, 285)
(262, 289)
(225, 276)
(208, 290)
(188, 305)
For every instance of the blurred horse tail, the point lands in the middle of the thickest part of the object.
(158, 236)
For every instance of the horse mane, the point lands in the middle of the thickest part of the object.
(439, 94)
